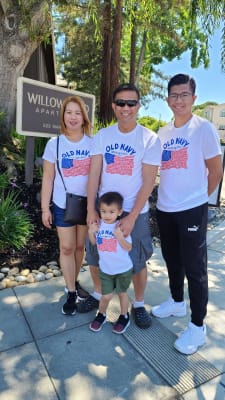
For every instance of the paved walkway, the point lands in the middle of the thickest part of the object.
(47, 356)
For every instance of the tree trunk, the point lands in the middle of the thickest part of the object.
(16, 48)
(140, 59)
(115, 57)
(133, 54)
(106, 57)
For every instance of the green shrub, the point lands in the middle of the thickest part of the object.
(151, 123)
(4, 182)
(15, 225)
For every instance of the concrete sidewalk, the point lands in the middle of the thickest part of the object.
(45, 355)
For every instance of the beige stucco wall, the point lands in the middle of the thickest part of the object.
(216, 114)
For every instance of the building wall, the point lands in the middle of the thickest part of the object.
(41, 65)
(216, 114)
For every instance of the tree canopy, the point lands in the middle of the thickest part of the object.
(113, 40)
(106, 42)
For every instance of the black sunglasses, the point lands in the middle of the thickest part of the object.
(129, 103)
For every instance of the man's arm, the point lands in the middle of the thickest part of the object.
(93, 229)
(92, 188)
(122, 240)
(149, 173)
(215, 172)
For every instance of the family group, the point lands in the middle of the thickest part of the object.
(116, 170)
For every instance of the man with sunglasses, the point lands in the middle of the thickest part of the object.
(125, 158)
(191, 169)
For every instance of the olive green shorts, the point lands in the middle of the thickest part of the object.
(118, 282)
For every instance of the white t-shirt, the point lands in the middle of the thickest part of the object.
(113, 259)
(123, 157)
(183, 174)
(74, 162)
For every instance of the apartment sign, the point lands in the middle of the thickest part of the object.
(38, 107)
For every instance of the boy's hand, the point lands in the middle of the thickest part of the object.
(118, 233)
(93, 228)
(121, 239)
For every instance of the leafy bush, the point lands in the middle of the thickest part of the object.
(15, 225)
(4, 182)
(151, 123)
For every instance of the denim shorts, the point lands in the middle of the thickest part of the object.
(141, 244)
(58, 217)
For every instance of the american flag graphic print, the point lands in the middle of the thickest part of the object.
(121, 165)
(106, 244)
(174, 159)
(71, 167)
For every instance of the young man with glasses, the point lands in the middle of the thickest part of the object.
(125, 158)
(191, 169)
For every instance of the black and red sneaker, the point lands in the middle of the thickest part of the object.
(121, 324)
(98, 322)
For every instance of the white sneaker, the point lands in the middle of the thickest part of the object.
(169, 308)
(191, 339)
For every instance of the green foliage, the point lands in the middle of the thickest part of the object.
(15, 225)
(4, 181)
(158, 26)
(204, 105)
(99, 125)
(36, 19)
(16, 152)
(209, 14)
(79, 59)
(39, 146)
(164, 30)
(151, 123)
(19, 141)
(20, 144)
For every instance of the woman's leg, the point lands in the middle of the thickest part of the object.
(81, 233)
(67, 245)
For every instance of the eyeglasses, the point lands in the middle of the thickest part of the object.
(182, 96)
(122, 103)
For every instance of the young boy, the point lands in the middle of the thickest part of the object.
(114, 261)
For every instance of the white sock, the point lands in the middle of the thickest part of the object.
(96, 295)
(137, 304)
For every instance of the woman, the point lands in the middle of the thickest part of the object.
(74, 146)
